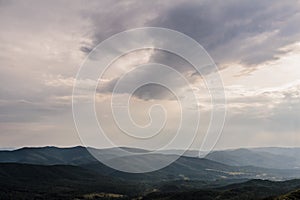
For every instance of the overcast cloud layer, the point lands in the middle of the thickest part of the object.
(255, 44)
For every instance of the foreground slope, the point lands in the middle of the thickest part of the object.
(294, 195)
(250, 190)
(26, 181)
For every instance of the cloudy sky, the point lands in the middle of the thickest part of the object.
(255, 44)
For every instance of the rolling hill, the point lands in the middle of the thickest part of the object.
(279, 158)
(185, 168)
(72, 173)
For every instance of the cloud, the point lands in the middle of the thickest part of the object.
(44, 43)
(263, 120)
(248, 32)
(127, 65)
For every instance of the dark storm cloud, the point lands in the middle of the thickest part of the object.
(241, 32)
(85, 49)
(247, 32)
(111, 17)
(145, 92)
(151, 91)
(230, 30)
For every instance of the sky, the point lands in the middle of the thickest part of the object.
(255, 44)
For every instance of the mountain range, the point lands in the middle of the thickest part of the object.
(55, 173)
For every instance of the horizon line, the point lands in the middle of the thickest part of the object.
(69, 147)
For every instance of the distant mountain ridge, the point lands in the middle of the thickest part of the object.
(47, 155)
(73, 173)
(235, 164)
(272, 157)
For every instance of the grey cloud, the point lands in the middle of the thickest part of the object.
(145, 92)
(26, 111)
(111, 17)
(171, 60)
(153, 91)
(279, 118)
(232, 24)
(247, 32)
(85, 49)
(150, 91)
(227, 29)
